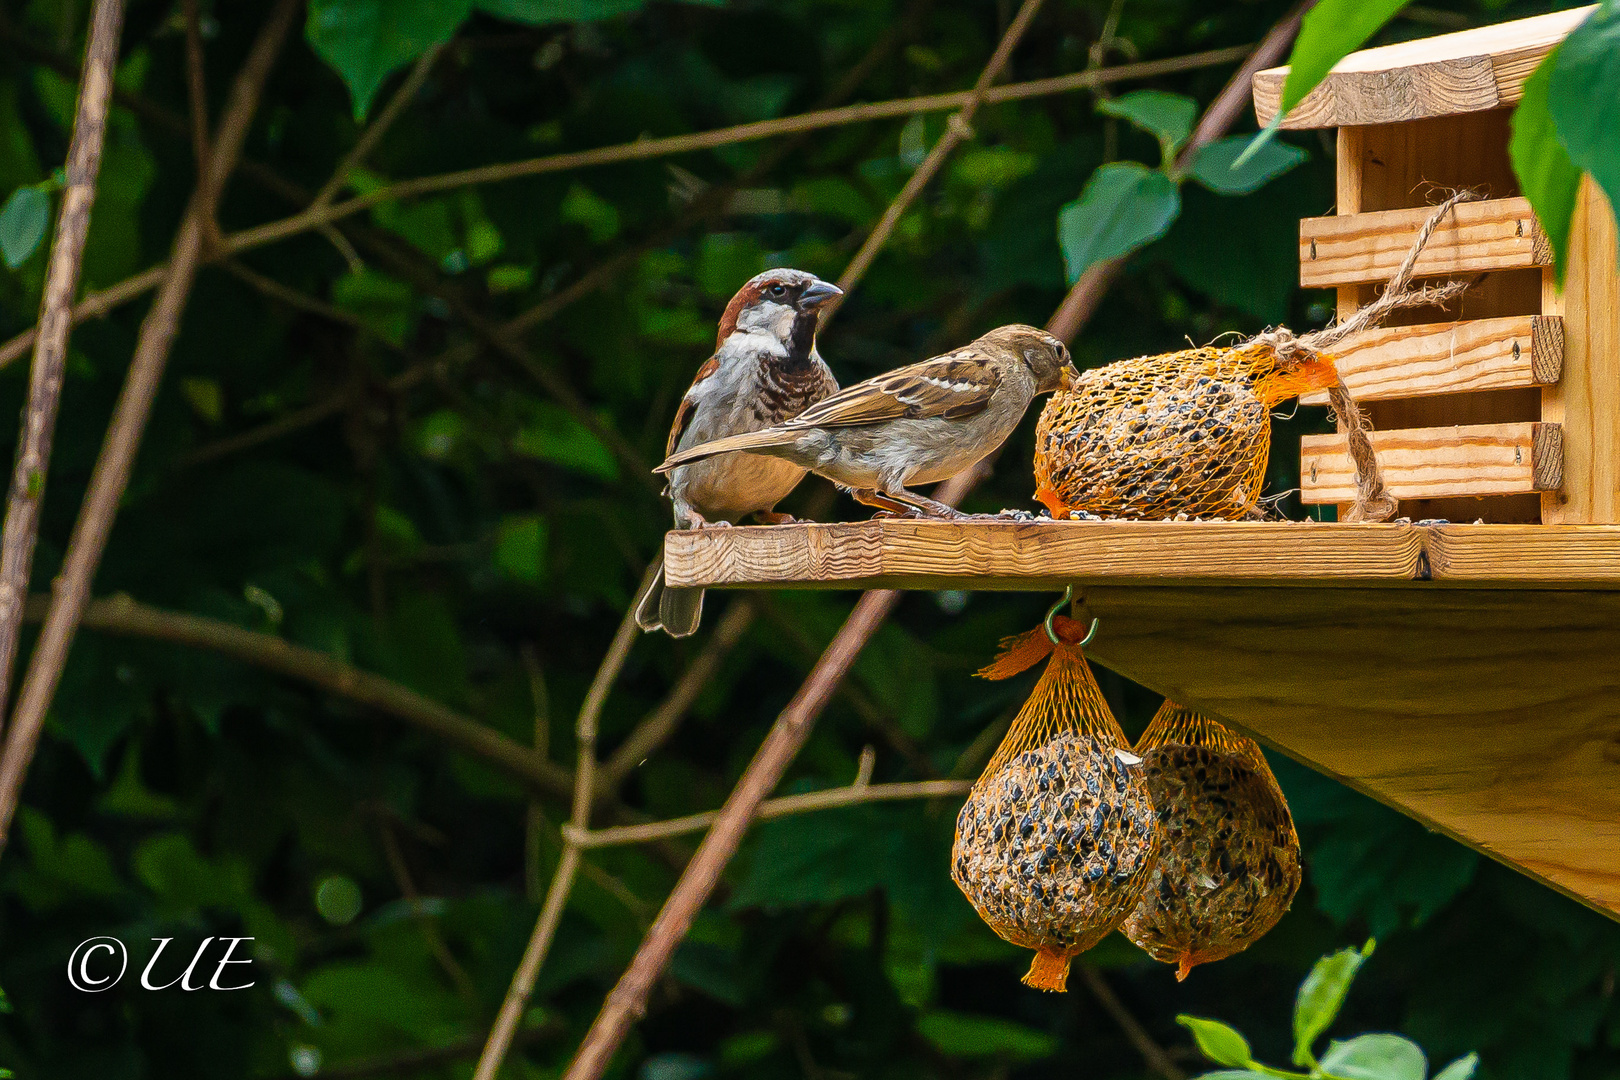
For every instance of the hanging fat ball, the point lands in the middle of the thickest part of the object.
(1179, 433)
(1229, 863)
(1056, 841)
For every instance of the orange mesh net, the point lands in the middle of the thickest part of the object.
(1180, 433)
(1056, 841)
(1229, 865)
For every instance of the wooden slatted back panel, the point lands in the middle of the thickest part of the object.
(1504, 406)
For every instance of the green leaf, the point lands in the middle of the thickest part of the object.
(1167, 117)
(367, 40)
(1215, 166)
(1379, 1056)
(1461, 1069)
(23, 223)
(1221, 1044)
(1583, 96)
(541, 12)
(1124, 207)
(1546, 174)
(966, 1035)
(1321, 995)
(553, 435)
(520, 546)
(1331, 30)
(382, 303)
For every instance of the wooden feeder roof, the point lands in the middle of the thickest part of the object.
(1469, 71)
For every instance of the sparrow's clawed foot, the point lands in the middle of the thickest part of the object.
(771, 517)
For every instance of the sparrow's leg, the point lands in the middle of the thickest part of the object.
(890, 507)
(925, 506)
(696, 520)
(771, 517)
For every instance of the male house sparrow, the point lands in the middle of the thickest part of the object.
(914, 425)
(765, 369)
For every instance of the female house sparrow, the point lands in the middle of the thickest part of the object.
(915, 425)
(765, 369)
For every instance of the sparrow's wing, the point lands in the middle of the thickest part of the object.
(683, 415)
(955, 387)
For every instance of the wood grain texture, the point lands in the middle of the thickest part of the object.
(1519, 555)
(1586, 400)
(1437, 463)
(1366, 248)
(1050, 554)
(1035, 555)
(1449, 358)
(1419, 697)
(1468, 71)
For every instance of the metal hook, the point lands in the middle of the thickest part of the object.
(1051, 613)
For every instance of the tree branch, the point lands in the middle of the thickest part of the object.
(1151, 1052)
(562, 881)
(112, 469)
(122, 615)
(196, 86)
(1082, 300)
(958, 129)
(787, 736)
(55, 321)
(379, 126)
(660, 724)
(97, 304)
(853, 795)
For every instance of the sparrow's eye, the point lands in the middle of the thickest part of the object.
(778, 290)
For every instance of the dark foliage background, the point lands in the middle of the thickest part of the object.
(439, 534)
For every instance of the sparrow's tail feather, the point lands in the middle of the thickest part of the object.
(680, 611)
(677, 612)
(748, 440)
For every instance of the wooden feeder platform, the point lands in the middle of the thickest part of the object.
(1466, 674)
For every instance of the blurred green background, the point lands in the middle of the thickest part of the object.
(464, 533)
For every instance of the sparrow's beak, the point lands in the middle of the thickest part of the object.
(1068, 377)
(819, 294)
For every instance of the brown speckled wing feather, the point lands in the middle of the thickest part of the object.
(954, 387)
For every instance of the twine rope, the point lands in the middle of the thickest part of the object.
(1373, 499)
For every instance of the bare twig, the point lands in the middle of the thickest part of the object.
(1152, 1053)
(196, 87)
(764, 129)
(111, 474)
(853, 795)
(379, 126)
(958, 129)
(660, 724)
(122, 615)
(1087, 292)
(562, 881)
(782, 743)
(97, 304)
(50, 350)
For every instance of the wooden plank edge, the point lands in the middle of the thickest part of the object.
(1036, 555)
(1327, 475)
(1543, 367)
(1320, 238)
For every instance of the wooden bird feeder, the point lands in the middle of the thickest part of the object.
(1463, 672)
